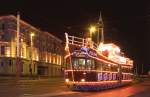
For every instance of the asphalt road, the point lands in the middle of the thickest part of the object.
(56, 88)
(136, 90)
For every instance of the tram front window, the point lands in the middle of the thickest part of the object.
(81, 64)
(90, 64)
(78, 63)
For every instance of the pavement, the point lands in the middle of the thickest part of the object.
(10, 87)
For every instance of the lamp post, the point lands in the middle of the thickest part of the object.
(31, 53)
(18, 48)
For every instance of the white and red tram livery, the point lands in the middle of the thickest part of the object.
(95, 67)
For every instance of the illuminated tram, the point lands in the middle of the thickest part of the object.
(95, 67)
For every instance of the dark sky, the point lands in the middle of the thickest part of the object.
(127, 22)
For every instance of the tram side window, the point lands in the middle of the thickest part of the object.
(106, 67)
(114, 68)
(101, 66)
(126, 70)
(130, 69)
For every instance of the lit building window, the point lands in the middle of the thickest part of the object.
(37, 58)
(57, 59)
(46, 59)
(60, 60)
(22, 52)
(13, 49)
(48, 55)
(7, 49)
(50, 58)
(54, 59)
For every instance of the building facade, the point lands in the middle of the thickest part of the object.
(40, 53)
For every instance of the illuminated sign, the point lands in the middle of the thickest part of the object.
(114, 76)
(79, 54)
(89, 51)
(100, 76)
(92, 53)
(110, 76)
(105, 76)
(84, 49)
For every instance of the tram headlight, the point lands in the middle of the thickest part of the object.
(83, 80)
(66, 80)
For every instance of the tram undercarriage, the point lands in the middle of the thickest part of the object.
(95, 81)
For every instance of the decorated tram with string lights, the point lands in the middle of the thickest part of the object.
(95, 67)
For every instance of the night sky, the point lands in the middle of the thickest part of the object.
(126, 23)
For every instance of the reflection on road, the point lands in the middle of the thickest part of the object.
(138, 90)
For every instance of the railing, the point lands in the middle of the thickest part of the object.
(76, 40)
(80, 41)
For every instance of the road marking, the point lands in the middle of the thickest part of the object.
(27, 94)
(49, 94)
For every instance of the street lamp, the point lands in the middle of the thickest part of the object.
(92, 30)
(32, 34)
(31, 49)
